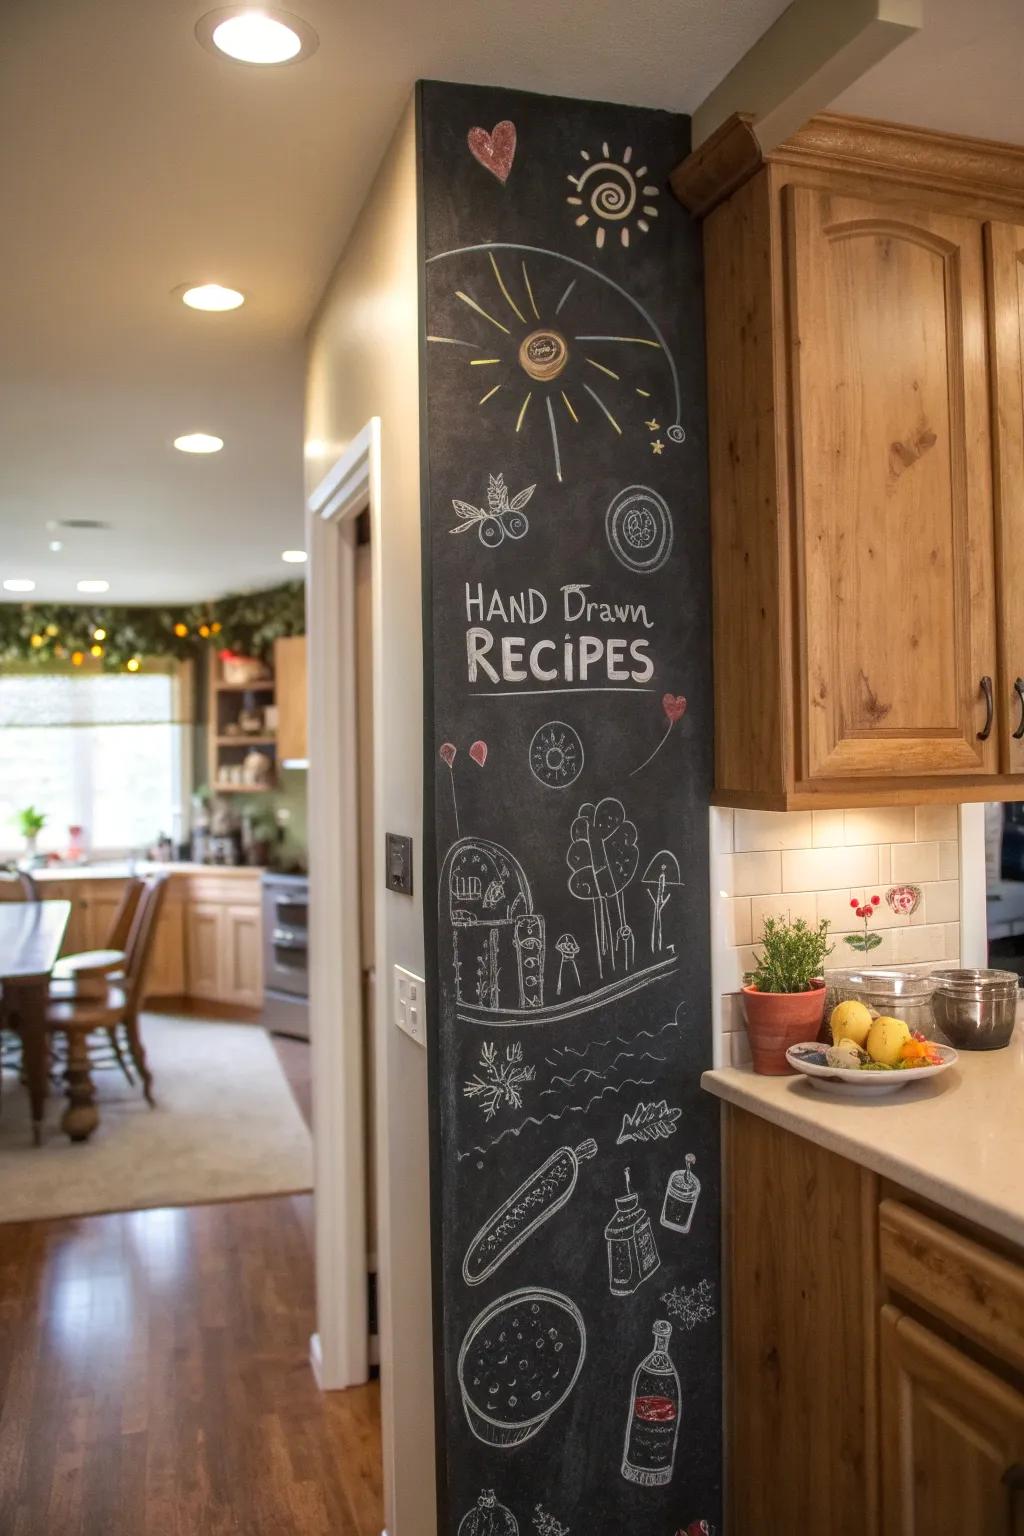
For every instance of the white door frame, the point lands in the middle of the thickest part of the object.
(339, 1350)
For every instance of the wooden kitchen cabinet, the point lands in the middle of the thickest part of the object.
(866, 453)
(290, 696)
(224, 956)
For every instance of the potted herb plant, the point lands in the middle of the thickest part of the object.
(30, 823)
(784, 995)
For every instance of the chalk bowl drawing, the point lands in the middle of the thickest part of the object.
(496, 150)
(632, 1252)
(502, 517)
(649, 1122)
(500, 1080)
(652, 1423)
(638, 526)
(498, 941)
(681, 1195)
(614, 195)
(545, 1524)
(556, 755)
(568, 971)
(602, 860)
(536, 1200)
(521, 322)
(488, 1518)
(691, 1305)
(519, 1362)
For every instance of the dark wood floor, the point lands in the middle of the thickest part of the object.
(154, 1378)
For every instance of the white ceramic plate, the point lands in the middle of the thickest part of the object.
(851, 1083)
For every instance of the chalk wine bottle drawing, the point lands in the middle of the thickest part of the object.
(652, 1429)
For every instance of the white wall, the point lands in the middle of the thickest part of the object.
(363, 362)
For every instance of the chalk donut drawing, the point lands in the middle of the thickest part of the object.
(533, 332)
(500, 1081)
(638, 526)
(519, 1362)
(536, 1200)
(556, 755)
(614, 194)
(500, 519)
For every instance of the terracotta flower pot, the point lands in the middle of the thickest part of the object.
(777, 1020)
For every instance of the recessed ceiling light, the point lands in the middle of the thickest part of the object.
(293, 556)
(257, 35)
(90, 524)
(212, 296)
(22, 584)
(199, 442)
(56, 545)
(91, 584)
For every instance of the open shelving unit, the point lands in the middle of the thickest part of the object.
(227, 750)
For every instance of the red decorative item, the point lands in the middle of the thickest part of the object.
(698, 1528)
(478, 752)
(903, 899)
(495, 150)
(674, 706)
(448, 752)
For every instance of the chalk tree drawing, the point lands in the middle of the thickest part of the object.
(613, 193)
(603, 858)
(518, 345)
(500, 519)
(632, 1252)
(691, 1305)
(538, 1197)
(638, 527)
(496, 150)
(568, 949)
(681, 1195)
(649, 1122)
(673, 707)
(500, 1080)
(488, 1518)
(556, 755)
(498, 941)
(519, 1362)
(660, 879)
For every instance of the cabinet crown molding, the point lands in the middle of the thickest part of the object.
(984, 169)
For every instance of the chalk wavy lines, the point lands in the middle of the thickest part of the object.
(570, 1109)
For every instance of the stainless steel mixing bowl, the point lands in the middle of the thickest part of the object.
(975, 1009)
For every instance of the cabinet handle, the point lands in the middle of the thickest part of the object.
(1018, 688)
(986, 688)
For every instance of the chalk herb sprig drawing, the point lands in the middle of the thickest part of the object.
(500, 518)
(500, 1081)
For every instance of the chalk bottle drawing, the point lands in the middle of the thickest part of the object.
(632, 1252)
(488, 1518)
(681, 1195)
(652, 1428)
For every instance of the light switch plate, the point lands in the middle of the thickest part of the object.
(398, 863)
(411, 1005)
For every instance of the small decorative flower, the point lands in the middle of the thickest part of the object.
(865, 911)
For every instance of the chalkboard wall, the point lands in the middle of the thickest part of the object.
(569, 730)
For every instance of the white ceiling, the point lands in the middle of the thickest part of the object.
(134, 161)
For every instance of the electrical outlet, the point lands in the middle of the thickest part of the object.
(411, 1005)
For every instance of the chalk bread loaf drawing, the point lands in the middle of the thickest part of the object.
(529, 1207)
(518, 1364)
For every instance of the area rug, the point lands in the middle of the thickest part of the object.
(225, 1127)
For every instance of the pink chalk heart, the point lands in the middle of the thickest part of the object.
(495, 150)
(903, 899)
(448, 753)
(674, 706)
(478, 752)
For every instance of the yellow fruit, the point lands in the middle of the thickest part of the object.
(850, 1021)
(886, 1039)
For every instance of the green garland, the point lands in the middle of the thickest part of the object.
(116, 638)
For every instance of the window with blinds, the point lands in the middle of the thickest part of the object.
(103, 751)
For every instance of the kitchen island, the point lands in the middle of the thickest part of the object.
(875, 1303)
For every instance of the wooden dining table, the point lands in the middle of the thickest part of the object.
(31, 934)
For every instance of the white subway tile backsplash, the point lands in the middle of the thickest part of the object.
(885, 864)
(941, 902)
(790, 906)
(736, 920)
(823, 869)
(829, 829)
(911, 945)
(756, 874)
(835, 907)
(949, 861)
(895, 825)
(937, 823)
(755, 830)
(952, 932)
(915, 862)
(844, 956)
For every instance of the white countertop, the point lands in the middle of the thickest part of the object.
(121, 869)
(956, 1139)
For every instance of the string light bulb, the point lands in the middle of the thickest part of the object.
(99, 634)
(181, 630)
(51, 630)
(204, 630)
(77, 657)
(36, 642)
(133, 664)
(95, 650)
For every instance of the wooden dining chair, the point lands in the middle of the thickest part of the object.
(117, 1010)
(110, 961)
(17, 884)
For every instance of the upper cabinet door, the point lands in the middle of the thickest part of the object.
(893, 528)
(1006, 330)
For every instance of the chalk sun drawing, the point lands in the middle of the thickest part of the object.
(613, 194)
(638, 527)
(519, 1362)
(500, 1080)
(556, 755)
(537, 1199)
(501, 519)
(511, 315)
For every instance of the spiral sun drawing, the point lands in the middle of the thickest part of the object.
(613, 194)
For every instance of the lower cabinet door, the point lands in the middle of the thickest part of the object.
(204, 943)
(243, 982)
(952, 1437)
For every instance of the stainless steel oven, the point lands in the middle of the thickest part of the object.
(286, 954)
